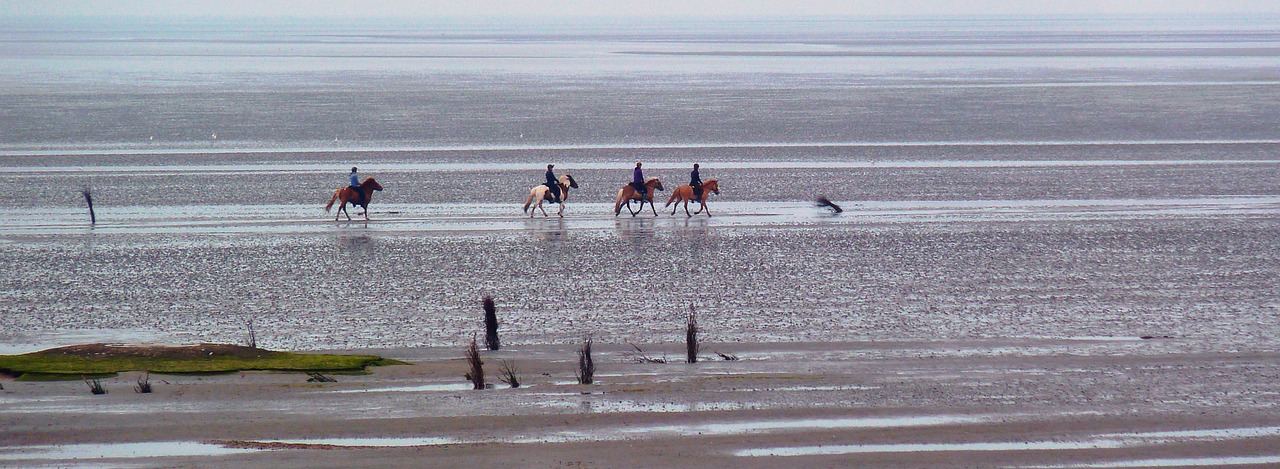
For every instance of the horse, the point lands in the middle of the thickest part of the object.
(628, 193)
(685, 194)
(346, 194)
(542, 193)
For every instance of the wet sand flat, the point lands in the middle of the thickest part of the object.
(1058, 245)
(1085, 402)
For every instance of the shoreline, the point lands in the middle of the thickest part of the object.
(974, 403)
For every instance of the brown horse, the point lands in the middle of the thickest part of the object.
(541, 192)
(628, 193)
(346, 194)
(685, 194)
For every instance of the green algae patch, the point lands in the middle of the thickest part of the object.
(107, 359)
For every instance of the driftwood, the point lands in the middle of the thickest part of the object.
(640, 357)
(319, 378)
(476, 374)
(825, 202)
(728, 356)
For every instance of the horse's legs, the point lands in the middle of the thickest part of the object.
(543, 210)
(561, 211)
(686, 208)
(342, 208)
(652, 206)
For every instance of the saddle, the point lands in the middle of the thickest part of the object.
(357, 196)
(553, 193)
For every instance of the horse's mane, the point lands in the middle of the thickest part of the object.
(646, 181)
(708, 181)
(368, 179)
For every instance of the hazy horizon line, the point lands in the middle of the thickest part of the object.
(730, 16)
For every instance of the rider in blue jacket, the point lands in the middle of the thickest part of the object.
(355, 184)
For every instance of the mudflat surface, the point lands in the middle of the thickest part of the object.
(1025, 199)
(1120, 402)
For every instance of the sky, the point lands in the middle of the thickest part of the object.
(632, 8)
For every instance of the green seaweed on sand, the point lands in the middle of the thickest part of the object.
(76, 361)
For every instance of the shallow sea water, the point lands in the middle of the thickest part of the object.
(1028, 178)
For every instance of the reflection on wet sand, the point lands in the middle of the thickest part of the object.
(547, 229)
(635, 228)
(692, 227)
(356, 244)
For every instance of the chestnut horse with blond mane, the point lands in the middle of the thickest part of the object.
(628, 193)
(543, 193)
(685, 194)
(349, 195)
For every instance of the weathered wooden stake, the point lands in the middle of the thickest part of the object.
(491, 324)
(88, 198)
(691, 336)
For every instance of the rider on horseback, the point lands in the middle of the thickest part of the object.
(695, 181)
(553, 184)
(355, 185)
(637, 181)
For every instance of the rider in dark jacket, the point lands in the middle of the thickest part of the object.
(637, 180)
(695, 181)
(553, 184)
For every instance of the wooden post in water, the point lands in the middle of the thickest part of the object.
(491, 324)
(88, 198)
(691, 336)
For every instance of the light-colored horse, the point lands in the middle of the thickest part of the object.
(543, 193)
(685, 194)
(628, 193)
(347, 195)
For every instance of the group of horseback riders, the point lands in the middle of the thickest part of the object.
(637, 182)
(357, 192)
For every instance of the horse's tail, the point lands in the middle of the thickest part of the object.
(675, 194)
(330, 204)
(529, 202)
(617, 205)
